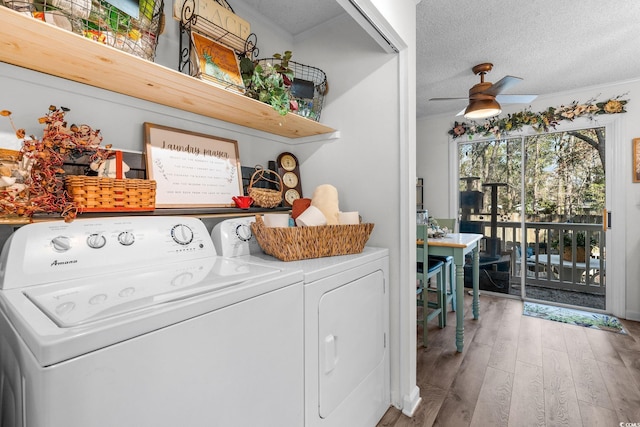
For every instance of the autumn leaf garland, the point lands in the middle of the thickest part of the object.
(540, 121)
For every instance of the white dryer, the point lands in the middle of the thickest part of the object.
(136, 322)
(346, 328)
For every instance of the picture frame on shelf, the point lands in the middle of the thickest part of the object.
(192, 170)
(216, 63)
(636, 159)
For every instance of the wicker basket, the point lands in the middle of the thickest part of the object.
(97, 194)
(94, 194)
(295, 243)
(265, 197)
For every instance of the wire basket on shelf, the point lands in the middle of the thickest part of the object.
(134, 30)
(308, 88)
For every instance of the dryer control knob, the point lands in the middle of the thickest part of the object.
(61, 243)
(243, 231)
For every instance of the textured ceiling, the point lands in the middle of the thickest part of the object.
(553, 45)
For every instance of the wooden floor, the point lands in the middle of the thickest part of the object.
(522, 371)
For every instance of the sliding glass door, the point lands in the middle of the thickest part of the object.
(539, 201)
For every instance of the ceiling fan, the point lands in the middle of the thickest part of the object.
(484, 96)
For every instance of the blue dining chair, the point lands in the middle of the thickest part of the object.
(426, 270)
(449, 267)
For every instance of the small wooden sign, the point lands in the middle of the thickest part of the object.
(192, 169)
(217, 14)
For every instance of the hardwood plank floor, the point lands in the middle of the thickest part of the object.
(523, 371)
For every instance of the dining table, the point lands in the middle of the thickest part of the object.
(458, 245)
(567, 266)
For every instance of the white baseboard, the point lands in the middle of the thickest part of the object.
(411, 402)
(632, 315)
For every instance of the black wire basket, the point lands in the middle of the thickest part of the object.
(308, 88)
(134, 30)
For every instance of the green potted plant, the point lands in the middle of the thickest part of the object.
(270, 81)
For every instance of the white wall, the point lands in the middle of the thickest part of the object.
(373, 159)
(433, 160)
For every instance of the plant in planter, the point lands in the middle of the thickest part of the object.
(567, 241)
(270, 83)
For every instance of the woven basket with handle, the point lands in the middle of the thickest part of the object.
(265, 197)
(97, 194)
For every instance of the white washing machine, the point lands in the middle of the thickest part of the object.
(346, 328)
(136, 322)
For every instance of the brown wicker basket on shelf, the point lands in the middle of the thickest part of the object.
(94, 194)
(97, 194)
(265, 197)
(295, 243)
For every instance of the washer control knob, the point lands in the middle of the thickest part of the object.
(61, 243)
(182, 234)
(126, 238)
(96, 241)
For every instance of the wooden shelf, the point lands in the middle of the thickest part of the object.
(33, 44)
(197, 212)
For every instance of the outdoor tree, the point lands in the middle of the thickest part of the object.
(565, 174)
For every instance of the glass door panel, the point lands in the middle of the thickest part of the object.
(564, 186)
(490, 198)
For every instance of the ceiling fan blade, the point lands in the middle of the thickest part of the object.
(448, 99)
(515, 99)
(461, 112)
(502, 85)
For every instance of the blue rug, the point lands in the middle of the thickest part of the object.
(574, 317)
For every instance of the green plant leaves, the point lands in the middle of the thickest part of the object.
(269, 83)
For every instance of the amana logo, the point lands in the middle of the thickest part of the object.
(56, 262)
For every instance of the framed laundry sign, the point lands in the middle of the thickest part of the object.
(192, 169)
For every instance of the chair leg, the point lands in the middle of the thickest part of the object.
(441, 294)
(424, 302)
(424, 324)
(438, 306)
(452, 285)
(445, 291)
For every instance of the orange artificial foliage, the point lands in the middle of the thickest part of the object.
(41, 164)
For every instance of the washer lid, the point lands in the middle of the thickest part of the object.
(83, 301)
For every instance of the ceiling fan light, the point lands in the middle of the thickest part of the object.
(482, 109)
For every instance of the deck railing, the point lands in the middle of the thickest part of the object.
(554, 254)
